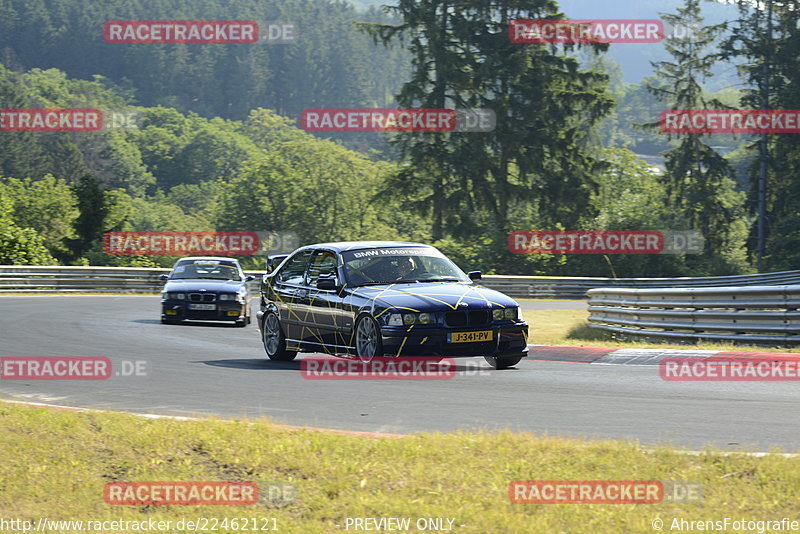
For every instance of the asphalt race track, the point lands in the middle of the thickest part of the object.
(222, 370)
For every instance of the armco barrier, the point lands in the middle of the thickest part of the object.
(33, 279)
(757, 314)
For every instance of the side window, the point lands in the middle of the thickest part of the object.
(295, 269)
(322, 264)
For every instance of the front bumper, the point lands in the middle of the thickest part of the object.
(178, 310)
(422, 340)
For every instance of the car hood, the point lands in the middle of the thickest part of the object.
(435, 296)
(226, 286)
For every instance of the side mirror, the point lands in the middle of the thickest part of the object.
(326, 283)
(163, 277)
(249, 277)
(474, 275)
(273, 260)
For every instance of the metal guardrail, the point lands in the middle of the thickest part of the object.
(757, 314)
(36, 279)
(577, 288)
(33, 279)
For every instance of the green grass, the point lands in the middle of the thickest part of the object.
(56, 463)
(571, 327)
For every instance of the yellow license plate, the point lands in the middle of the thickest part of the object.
(233, 313)
(470, 337)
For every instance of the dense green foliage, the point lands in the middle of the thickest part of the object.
(215, 146)
(329, 65)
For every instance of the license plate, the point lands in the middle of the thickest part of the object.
(202, 306)
(469, 337)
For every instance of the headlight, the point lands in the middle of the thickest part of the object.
(426, 318)
(505, 314)
(398, 319)
(227, 296)
(394, 319)
(177, 296)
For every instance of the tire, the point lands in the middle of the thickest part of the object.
(274, 340)
(240, 324)
(500, 363)
(169, 321)
(368, 339)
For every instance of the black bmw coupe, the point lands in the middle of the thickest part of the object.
(205, 289)
(387, 299)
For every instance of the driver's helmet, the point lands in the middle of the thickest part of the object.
(402, 266)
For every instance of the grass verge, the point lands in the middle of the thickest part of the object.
(571, 327)
(56, 464)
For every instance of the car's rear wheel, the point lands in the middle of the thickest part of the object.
(368, 339)
(274, 340)
(500, 362)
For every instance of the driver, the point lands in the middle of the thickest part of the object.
(403, 267)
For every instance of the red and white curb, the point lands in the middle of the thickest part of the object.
(614, 356)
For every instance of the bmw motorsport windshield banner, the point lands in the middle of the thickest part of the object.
(381, 252)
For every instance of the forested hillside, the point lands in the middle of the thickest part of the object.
(215, 143)
(329, 65)
(174, 172)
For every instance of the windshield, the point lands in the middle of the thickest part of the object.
(387, 266)
(206, 271)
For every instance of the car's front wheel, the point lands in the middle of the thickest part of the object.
(500, 362)
(274, 340)
(368, 339)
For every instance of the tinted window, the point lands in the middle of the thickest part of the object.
(399, 265)
(322, 264)
(206, 269)
(295, 269)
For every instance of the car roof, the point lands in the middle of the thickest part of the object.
(215, 258)
(358, 245)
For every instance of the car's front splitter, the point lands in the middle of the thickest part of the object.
(510, 340)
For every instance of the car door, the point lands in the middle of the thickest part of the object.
(324, 304)
(289, 292)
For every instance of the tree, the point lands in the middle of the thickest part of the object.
(48, 206)
(700, 192)
(314, 188)
(766, 39)
(90, 224)
(545, 105)
(20, 246)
